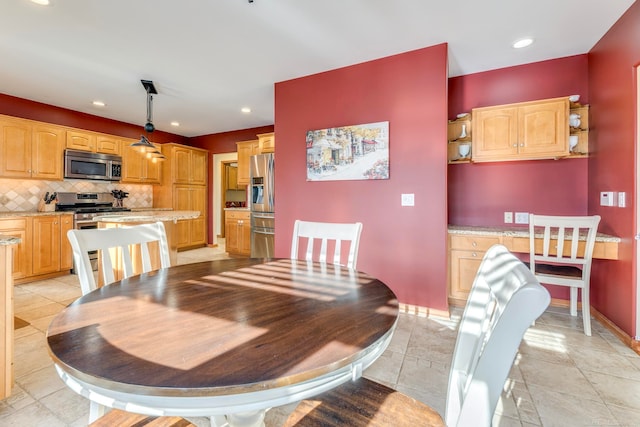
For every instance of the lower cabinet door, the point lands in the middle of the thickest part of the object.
(462, 271)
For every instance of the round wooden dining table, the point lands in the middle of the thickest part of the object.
(226, 339)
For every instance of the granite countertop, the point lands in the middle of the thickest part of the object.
(9, 240)
(237, 209)
(147, 216)
(513, 232)
(13, 214)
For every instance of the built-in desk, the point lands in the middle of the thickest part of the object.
(467, 245)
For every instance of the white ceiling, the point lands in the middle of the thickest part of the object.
(209, 58)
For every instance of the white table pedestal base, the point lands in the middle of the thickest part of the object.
(244, 419)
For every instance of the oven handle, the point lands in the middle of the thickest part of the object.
(257, 230)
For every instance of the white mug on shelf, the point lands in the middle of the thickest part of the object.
(464, 150)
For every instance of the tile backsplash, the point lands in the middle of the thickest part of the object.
(23, 194)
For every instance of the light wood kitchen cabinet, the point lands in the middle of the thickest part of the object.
(138, 169)
(108, 144)
(523, 131)
(246, 149)
(183, 187)
(81, 140)
(189, 164)
(30, 149)
(238, 232)
(267, 142)
(465, 256)
(84, 140)
(19, 227)
(44, 250)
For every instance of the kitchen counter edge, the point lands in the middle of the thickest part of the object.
(513, 232)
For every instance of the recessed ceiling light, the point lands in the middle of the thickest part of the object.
(98, 103)
(175, 124)
(246, 110)
(41, 2)
(519, 44)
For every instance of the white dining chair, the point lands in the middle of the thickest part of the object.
(326, 235)
(504, 300)
(104, 240)
(565, 257)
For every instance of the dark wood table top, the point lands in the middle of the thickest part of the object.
(222, 327)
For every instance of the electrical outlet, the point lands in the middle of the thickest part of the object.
(508, 217)
(407, 200)
(522, 218)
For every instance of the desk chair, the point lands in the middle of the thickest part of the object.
(505, 299)
(326, 232)
(565, 256)
(104, 239)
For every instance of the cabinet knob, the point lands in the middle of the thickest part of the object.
(522, 144)
(473, 254)
(474, 244)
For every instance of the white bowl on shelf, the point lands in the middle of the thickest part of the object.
(574, 98)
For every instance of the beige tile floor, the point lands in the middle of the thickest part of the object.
(560, 377)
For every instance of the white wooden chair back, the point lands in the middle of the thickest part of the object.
(565, 256)
(504, 301)
(337, 233)
(103, 239)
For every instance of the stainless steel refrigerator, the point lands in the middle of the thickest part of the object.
(262, 188)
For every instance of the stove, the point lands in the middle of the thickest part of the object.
(87, 206)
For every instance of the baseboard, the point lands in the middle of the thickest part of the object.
(420, 311)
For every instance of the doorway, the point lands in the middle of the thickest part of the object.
(217, 190)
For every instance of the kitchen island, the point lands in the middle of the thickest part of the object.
(168, 217)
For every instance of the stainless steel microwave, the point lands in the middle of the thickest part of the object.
(87, 165)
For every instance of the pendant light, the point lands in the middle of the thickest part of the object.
(144, 145)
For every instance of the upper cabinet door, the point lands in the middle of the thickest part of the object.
(83, 141)
(199, 167)
(47, 149)
(15, 148)
(108, 144)
(495, 133)
(543, 129)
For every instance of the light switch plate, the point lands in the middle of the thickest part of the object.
(608, 198)
(622, 199)
(508, 217)
(407, 200)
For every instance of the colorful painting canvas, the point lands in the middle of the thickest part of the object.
(356, 152)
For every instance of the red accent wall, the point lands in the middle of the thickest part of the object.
(613, 166)
(403, 246)
(23, 108)
(224, 142)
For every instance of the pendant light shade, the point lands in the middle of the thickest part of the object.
(144, 145)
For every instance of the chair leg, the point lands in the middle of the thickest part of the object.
(586, 312)
(95, 411)
(573, 301)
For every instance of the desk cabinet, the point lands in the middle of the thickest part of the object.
(523, 131)
(466, 253)
(238, 232)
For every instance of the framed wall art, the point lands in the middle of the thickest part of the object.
(356, 152)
